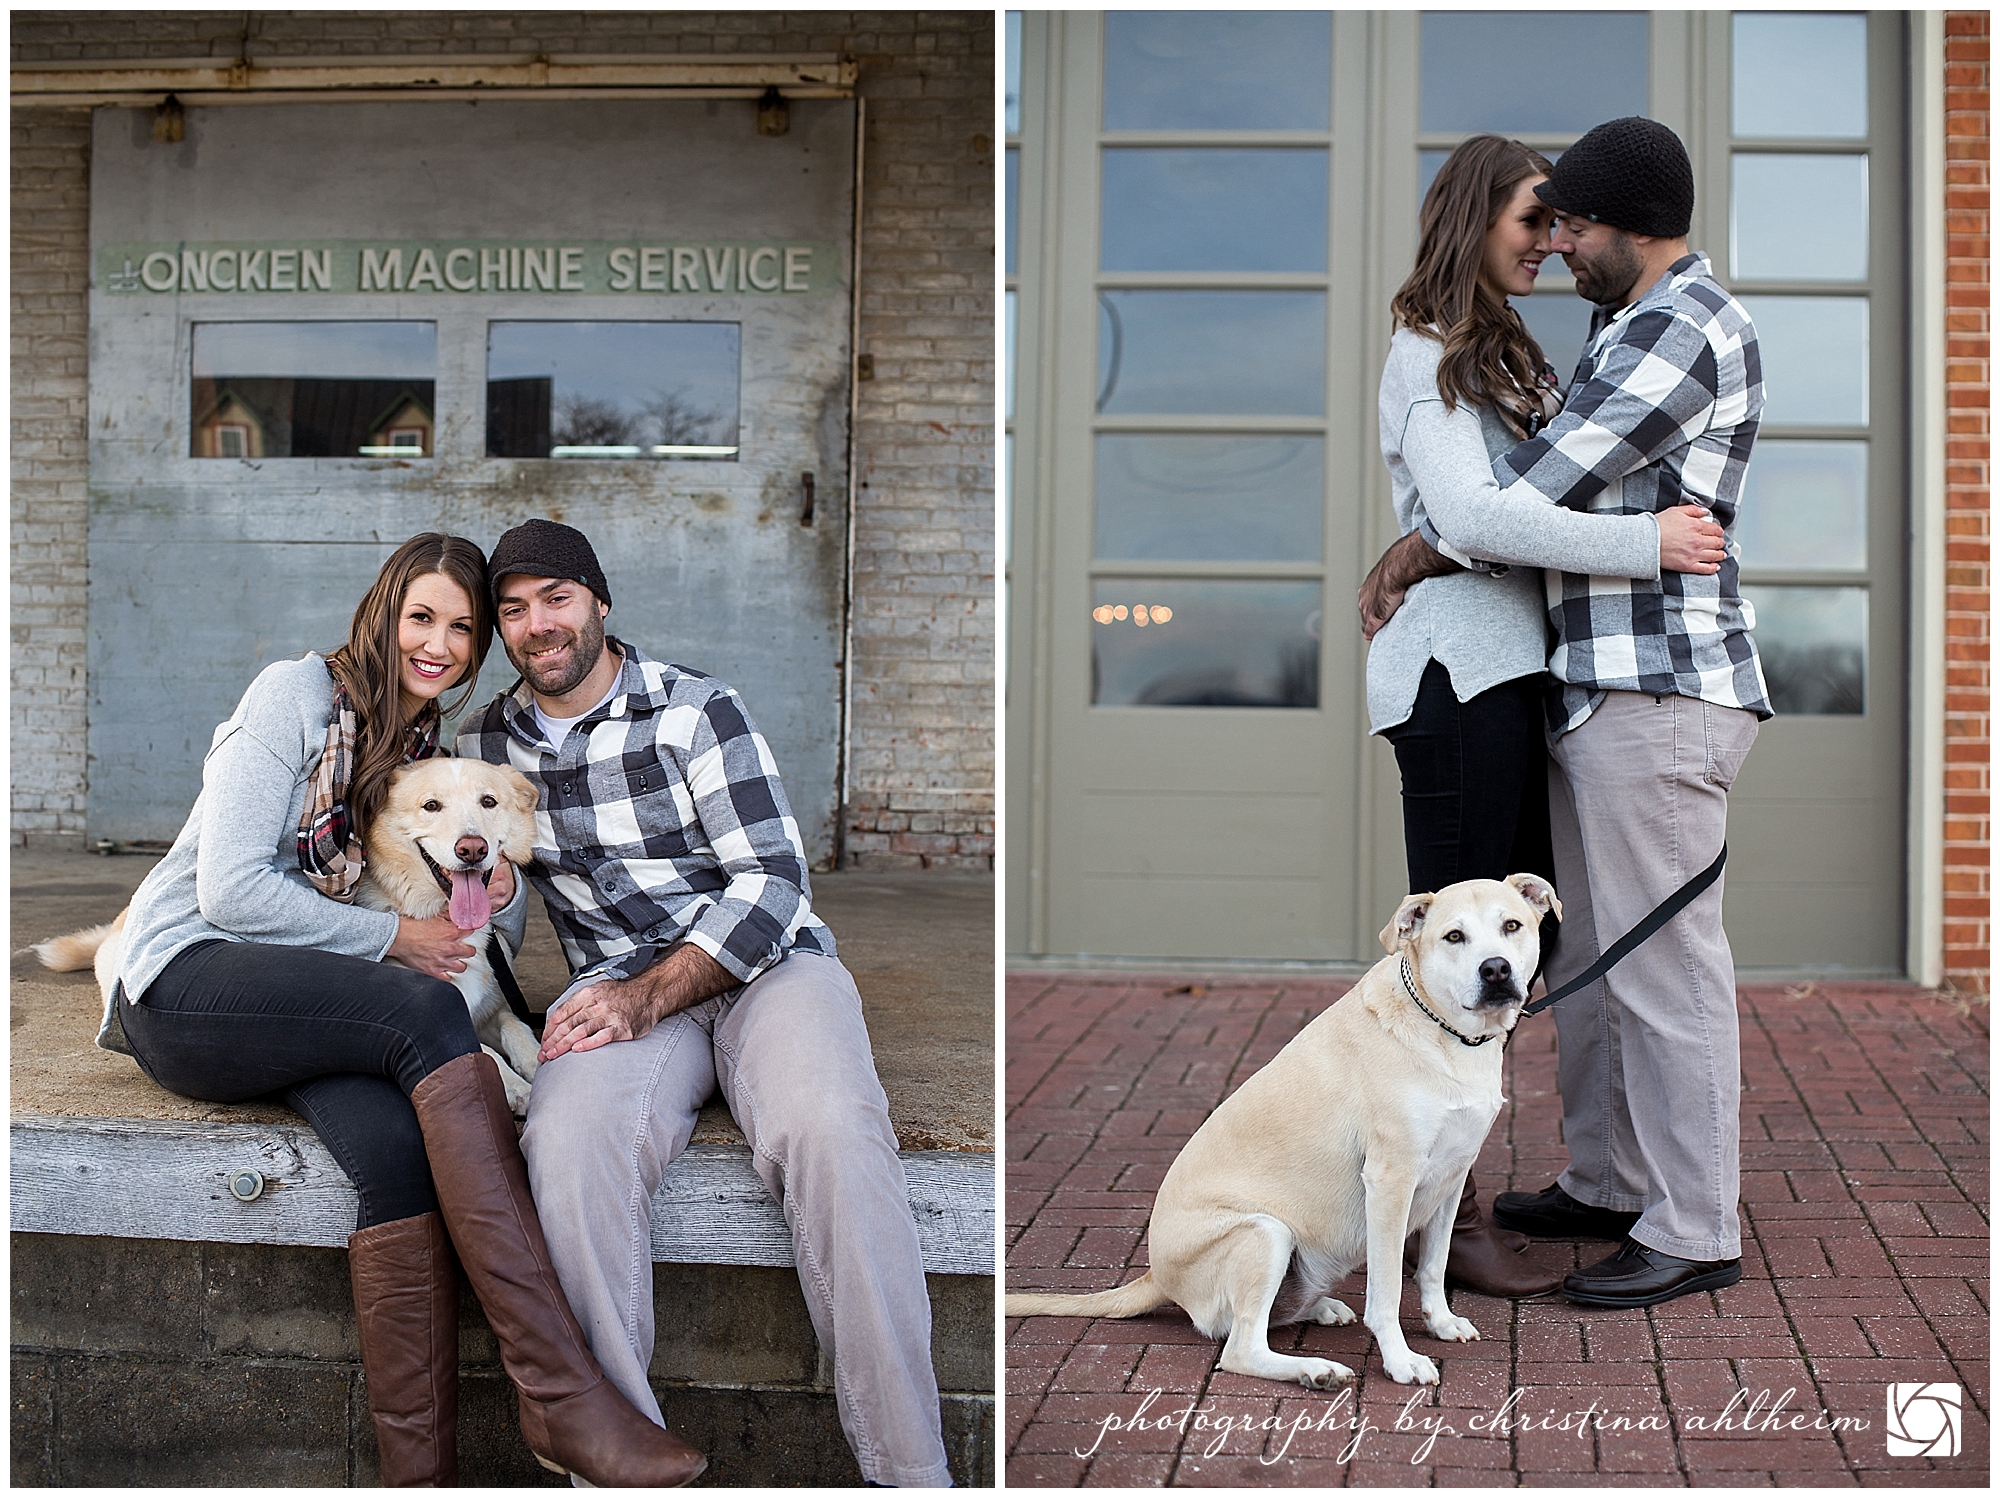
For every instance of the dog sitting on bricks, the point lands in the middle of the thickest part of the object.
(1358, 1132)
(443, 828)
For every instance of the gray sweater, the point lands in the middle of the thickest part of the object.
(233, 873)
(1483, 627)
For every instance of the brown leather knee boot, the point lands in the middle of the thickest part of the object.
(574, 1418)
(406, 1309)
(1483, 1261)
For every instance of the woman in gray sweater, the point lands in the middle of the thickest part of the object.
(246, 970)
(1455, 674)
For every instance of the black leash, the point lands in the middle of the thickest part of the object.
(1632, 940)
(503, 973)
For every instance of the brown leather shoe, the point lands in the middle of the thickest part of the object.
(1481, 1260)
(406, 1309)
(575, 1420)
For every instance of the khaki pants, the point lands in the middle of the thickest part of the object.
(1648, 1061)
(790, 1054)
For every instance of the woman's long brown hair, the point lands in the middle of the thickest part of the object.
(1490, 358)
(369, 664)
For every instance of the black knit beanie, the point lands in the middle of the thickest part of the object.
(544, 548)
(1632, 174)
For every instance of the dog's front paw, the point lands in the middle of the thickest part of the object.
(1330, 1312)
(1450, 1328)
(1409, 1367)
(518, 1092)
(1321, 1373)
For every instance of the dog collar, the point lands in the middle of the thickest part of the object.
(1410, 988)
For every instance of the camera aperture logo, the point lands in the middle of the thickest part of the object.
(1924, 1419)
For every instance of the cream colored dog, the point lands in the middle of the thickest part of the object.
(443, 828)
(432, 848)
(1358, 1132)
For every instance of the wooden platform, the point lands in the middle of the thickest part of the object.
(98, 1149)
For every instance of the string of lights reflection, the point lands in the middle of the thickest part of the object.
(1140, 614)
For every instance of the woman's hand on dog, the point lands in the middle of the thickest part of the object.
(434, 946)
(500, 887)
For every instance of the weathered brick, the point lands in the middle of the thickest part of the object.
(924, 438)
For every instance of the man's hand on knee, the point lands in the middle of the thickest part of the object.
(625, 1009)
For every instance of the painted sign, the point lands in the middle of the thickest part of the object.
(701, 268)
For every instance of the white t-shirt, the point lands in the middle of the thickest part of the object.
(555, 730)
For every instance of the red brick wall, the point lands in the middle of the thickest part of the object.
(1967, 744)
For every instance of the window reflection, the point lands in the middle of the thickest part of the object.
(1815, 356)
(1212, 352)
(1222, 498)
(1011, 320)
(1214, 209)
(1798, 218)
(612, 390)
(1560, 321)
(1013, 72)
(1798, 76)
(1013, 210)
(1814, 646)
(313, 390)
(1805, 505)
(1217, 70)
(1165, 642)
(1522, 71)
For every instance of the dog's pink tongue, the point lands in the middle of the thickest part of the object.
(470, 907)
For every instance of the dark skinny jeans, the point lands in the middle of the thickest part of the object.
(1475, 785)
(341, 1039)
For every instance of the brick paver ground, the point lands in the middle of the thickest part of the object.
(1865, 1257)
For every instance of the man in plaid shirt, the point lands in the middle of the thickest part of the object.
(1655, 701)
(676, 879)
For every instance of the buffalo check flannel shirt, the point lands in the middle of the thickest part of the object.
(662, 820)
(1662, 412)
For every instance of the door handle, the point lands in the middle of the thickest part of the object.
(806, 515)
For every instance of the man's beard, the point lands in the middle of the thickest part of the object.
(561, 679)
(1609, 278)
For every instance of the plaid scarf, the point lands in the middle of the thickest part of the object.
(330, 854)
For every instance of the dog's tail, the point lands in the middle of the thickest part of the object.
(77, 950)
(1135, 1299)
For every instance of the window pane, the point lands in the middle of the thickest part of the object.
(1798, 218)
(1815, 355)
(1214, 210)
(1010, 353)
(1013, 211)
(1210, 498)
(1805, 504)
(1215, 353)
(1814, 645)
(1013, 72)
(1429, 164)
(1520, 71)
(1560, 321)
(612, 389)
(1172, 642)
(1799, 76)
(1216, 70)
(313, 390)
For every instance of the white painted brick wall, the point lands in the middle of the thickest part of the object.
(922, 764)
(48, 505)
